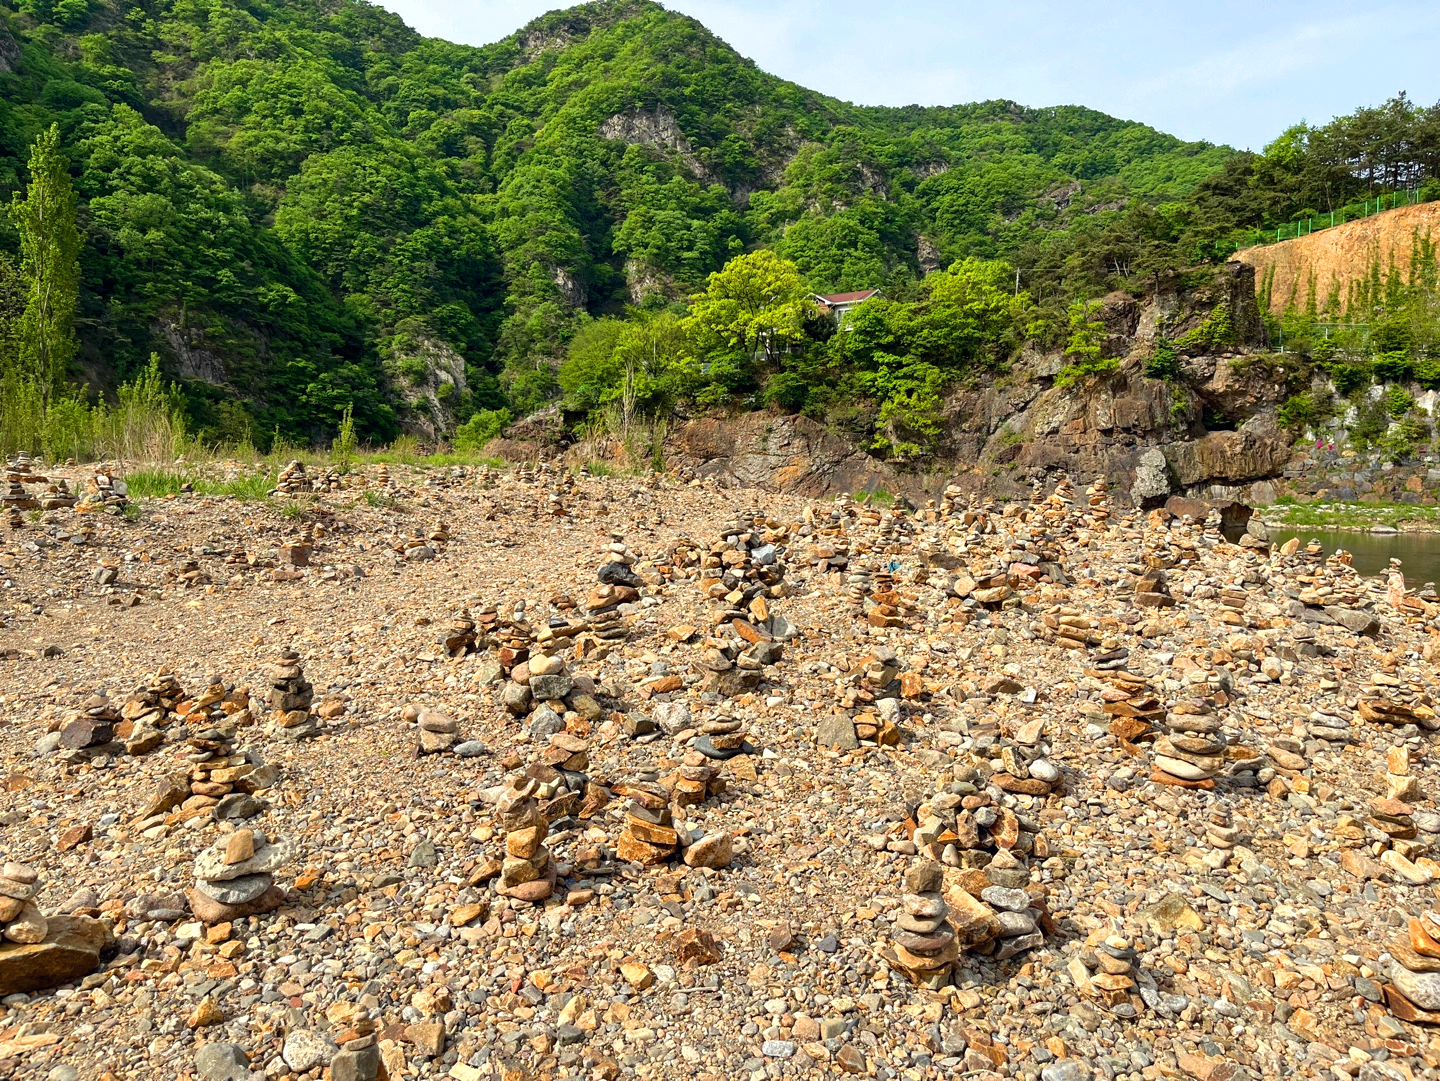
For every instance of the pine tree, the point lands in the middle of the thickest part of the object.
(50, 262)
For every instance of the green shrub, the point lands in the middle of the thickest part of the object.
(1164, 362)
(1302, 411)
(1075, 373)
(481, 428)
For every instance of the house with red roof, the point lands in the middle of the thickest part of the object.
(839, 305)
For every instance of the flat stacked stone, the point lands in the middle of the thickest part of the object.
(329, 480)
(235, 877)
(382, 475)
(57, 496)
(439, 533)
(723, 738)
(527, 872)
(296, 551)
(923, 945)
(20, 918)
(1413, 993)
(290, 698)
(649, 836)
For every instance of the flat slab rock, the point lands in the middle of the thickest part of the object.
(70, 952)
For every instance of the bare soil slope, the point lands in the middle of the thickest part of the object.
(1337, 257)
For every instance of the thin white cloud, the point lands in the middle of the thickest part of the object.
(1227, 71)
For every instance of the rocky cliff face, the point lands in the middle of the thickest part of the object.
(1209, 432)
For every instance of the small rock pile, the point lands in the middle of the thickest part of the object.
(235, 877)
(57, 496)
(459, 636)
(527, 873)
(20, 916)
(723, 738)
(649, 836)
(104, 492)
(152, 705)
(291, 696)
(293, 480)
(91, 730)
(437, 732)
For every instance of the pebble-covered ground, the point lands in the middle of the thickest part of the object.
(1017, 671)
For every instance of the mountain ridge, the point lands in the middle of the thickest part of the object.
(300, 206)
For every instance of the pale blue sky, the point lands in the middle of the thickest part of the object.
(1223, 70)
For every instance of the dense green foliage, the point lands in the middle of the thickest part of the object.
(299, 206)
(291, 202)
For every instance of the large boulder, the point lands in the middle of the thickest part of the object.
(70, 952)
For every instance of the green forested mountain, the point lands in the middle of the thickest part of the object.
(302, 204)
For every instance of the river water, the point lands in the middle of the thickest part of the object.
(1419, 552)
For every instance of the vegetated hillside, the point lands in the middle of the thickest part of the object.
(1326, 269)
(300, 206)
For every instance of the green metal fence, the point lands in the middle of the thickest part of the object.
(1350, 212)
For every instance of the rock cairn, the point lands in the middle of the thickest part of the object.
(293, 480)
(1192, 754)
(222, 779)
(649, 836)
(57, 496)
(20, 916)
(1413, 993)
(437, 732)
(923, 945)
(104, 492)
(459, 637)
(527, 873)
(91, 730)
(235, 877)
(18, 474)
(696, 780)
(723, 738)
(291, 696)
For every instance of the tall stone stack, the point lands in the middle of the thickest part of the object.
(527, 873)
(1097, 500)
(923, 945)
(20, 916)
(290, 698)
(235, 877)
(17, 475)
(649, 836)
(743, 574)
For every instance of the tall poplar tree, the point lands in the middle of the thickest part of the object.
(50, 263)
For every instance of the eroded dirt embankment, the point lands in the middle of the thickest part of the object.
(1336, 258)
